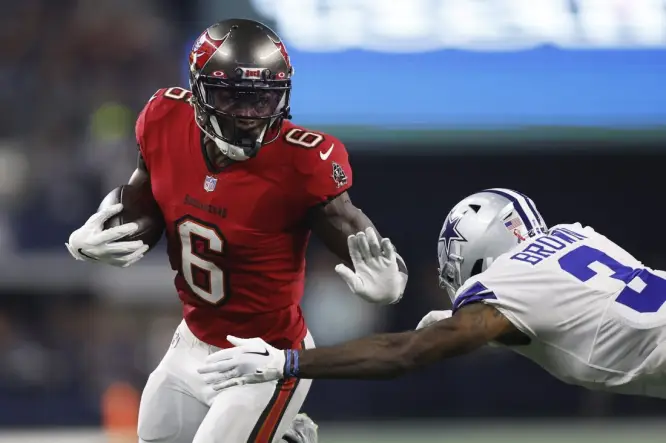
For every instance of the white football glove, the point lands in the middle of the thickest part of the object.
(91, 242)
(252, 360)
(376, 277)
(433, 317)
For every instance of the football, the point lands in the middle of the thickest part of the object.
(139, 207)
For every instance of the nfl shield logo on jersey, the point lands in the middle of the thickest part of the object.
(210, 183)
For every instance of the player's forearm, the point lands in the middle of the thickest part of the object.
(386, 355)
(374, 357)
(353, 223)
(339, 219)
(335, 222)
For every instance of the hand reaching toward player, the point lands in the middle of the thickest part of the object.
(91, 242)
(375, 277)
(252, 360)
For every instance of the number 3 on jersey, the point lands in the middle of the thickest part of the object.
(644, 292)
(204, 277)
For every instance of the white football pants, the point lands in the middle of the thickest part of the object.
(178, 407)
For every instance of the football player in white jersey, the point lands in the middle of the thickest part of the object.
(567, 298)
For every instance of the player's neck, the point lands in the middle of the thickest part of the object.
(216, 157)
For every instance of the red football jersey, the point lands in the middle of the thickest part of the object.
(237, 238)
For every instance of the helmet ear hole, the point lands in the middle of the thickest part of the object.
(477, 268)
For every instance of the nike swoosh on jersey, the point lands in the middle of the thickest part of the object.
(324, 155)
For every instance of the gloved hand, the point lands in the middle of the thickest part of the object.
(91, 242)
(252, 360)
(375, 277)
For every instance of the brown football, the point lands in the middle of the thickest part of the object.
(140, 207)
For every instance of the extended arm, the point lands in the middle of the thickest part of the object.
(374, 357)
(391, 355)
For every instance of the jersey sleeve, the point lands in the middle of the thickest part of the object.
(329, 172)
(142, 128)
(528, 300)
(156, 112)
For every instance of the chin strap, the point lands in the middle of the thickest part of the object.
(234, 152)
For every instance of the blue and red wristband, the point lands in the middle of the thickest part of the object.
(291, 363)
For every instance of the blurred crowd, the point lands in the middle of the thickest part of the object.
(74, 75)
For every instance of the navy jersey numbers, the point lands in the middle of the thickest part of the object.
(644, 292)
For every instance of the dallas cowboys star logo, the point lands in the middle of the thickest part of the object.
(450, 233)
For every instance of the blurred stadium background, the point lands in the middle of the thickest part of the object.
(435, 99)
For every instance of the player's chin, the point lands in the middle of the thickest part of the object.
(244, 131)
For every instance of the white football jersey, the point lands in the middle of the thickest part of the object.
(594, 313)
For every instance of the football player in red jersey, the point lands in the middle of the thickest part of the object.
(240, 187)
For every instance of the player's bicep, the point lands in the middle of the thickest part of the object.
(141, 163)
(473, 293)
(476, 293)
(471, 327)
(484, 323)
(524, 308)
(140, 176)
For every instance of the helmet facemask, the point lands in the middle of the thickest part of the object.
(240, 77)
(449, 269)
(240, 117)
(451, 274)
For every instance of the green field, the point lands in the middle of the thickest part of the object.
(505, 432)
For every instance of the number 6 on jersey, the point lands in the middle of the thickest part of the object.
(203, 276)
